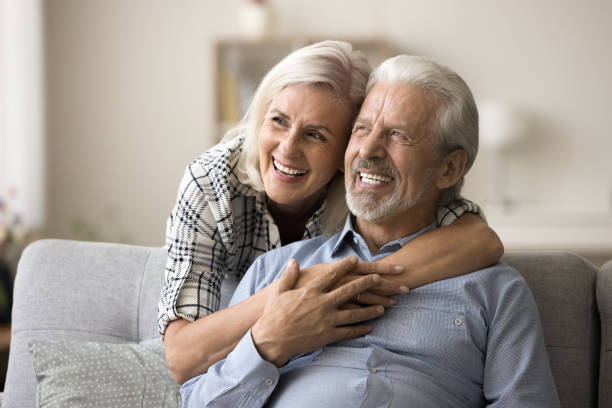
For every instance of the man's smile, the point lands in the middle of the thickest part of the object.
(369, 177)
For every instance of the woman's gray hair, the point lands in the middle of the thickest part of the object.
(330, 63)
(455, 123)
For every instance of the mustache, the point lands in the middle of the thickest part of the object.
(380, 165)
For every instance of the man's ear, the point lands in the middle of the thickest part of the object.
(451, 169)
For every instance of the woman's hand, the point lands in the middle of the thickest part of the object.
(377, 295)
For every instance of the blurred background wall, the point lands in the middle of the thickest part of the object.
(129, 100)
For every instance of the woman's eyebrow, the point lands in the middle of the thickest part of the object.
(319, 127)
(280, 113)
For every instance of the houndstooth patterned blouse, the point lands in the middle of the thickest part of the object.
(219, 226)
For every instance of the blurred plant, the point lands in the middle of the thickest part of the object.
(108, 228)
(14, 237)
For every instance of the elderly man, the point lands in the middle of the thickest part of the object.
(470, 341)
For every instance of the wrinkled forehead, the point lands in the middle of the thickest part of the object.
(398, 104)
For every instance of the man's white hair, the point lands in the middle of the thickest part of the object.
(330, 63)
(455, 124)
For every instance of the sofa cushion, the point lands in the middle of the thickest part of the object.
(563, 286)
(103, 374)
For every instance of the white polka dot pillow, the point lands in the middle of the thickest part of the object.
(73, 374)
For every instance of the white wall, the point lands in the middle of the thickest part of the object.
(130, 94)
(21, 112)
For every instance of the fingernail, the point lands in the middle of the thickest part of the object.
(292, 262)
(393, 302)
(398, 268)
(354, 259)
(404, 289)
(380, 309)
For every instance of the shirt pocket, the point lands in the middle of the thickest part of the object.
(436, 337)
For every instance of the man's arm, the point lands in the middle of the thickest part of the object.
(295, 321)
(517, 372)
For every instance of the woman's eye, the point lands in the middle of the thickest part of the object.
(316, 135)
(279, 120)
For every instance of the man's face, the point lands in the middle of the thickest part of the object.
(391, 160)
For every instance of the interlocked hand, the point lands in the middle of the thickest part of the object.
(301, 320)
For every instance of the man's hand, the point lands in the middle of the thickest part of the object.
(378, 295)
(301, 320)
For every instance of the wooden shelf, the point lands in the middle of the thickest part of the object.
(241, 64)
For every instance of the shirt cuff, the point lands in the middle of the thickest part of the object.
(243, 379)
(255, 373)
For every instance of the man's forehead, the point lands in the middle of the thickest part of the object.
(397, 103)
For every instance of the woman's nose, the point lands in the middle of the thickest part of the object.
(291, 145)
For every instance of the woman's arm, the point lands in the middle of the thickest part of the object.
(465, 246)
(192, 347)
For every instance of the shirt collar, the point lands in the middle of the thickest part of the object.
(348, 233)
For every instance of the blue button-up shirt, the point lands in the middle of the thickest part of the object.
(470, 341)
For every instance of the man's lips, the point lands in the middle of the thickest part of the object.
(369, 177)
(287, 171)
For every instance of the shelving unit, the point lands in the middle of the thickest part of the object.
(241, 64)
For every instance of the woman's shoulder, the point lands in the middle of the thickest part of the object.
(222, 157)
(218, 165)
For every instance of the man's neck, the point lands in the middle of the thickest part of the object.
(379, 232)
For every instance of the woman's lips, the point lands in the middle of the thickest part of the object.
(288, 171)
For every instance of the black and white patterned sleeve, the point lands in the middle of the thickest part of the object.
(447, 214)
(196, 256)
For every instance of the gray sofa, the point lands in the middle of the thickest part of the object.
(68, 290)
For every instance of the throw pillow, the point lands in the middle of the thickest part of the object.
(103, 375)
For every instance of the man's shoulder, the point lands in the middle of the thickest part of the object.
(302, 251)
(270, 265)
(500, 275)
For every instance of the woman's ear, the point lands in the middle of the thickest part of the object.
(451, 170)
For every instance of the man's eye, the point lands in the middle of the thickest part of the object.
(359, 129)
(396, 133)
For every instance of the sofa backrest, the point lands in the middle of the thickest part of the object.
(69, 290)
(604, 303)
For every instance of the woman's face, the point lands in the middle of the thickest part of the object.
(301, 145)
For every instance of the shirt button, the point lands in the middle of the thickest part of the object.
(356, 241)
(372, 370)
(268, 382)
(458, 322)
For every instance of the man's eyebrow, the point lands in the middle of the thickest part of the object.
(366, 122)
(362, 121)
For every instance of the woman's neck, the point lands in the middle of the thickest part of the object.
(291, 220)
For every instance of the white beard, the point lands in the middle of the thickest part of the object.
(371, 206)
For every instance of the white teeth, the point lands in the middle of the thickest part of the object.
(370, 178)
(287, 170)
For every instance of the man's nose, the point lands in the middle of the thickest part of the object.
(373, 145)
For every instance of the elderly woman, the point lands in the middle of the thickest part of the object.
(275, 180)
